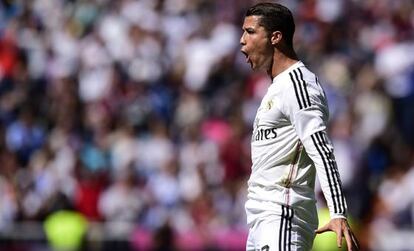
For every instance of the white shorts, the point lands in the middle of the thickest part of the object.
(289, 231)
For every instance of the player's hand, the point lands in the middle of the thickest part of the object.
(341, 228)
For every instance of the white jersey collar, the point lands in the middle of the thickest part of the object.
(290, 68)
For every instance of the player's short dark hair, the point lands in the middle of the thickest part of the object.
(275, 17)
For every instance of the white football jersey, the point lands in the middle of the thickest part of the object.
(289, 146)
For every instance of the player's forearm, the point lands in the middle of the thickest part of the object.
(320, 150)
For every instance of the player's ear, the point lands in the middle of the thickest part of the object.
(276, 37)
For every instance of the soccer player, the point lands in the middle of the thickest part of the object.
(289, 143)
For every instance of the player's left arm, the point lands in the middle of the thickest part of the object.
(320, 150)
(306, 108)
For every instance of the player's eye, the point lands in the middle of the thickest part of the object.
(250, 31)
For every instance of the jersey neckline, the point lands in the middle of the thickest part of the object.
(286, 71)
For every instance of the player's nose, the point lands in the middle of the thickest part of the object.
(242, 40)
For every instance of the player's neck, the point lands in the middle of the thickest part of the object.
(282, 61)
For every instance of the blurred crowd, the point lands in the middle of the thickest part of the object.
(141, 111)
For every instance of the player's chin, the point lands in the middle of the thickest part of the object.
(254, 66)
(257, 66)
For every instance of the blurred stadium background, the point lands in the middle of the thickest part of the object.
(125, 125)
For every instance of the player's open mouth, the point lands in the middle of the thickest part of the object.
(247, 56)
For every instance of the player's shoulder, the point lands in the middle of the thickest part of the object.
(298, 86)
(297, 75)
(301, 73)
